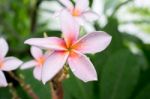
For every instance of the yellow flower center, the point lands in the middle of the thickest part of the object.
(1, 63)
(75, 12)
(69, 49)
(41, 61)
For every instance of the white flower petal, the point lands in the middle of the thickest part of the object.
(47, 43)
(11, 63)
(53, 65)
(69, 27)
(3, 48)
(82, 5)
(90, 16)
(93, 42)
(3, 82)
(36, 52)
(37, 72)
(82, 67)
(28, 64)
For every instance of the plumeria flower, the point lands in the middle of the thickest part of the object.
(81, 11)
(37, 62)
(71, 50)
(6, 63)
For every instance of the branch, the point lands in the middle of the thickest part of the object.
(25, 86)
(34, 14)
(56, 90)
(56, 83)
(13, 91)
(119, 6)
(61, 3)
(47, 10)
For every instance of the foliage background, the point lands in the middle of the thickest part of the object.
(123, 68)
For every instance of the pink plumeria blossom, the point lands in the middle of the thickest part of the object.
(37, 62)
(6, 63)
(81, 11)
(70, 49)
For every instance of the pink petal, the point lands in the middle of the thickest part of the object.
(47, 43)
(48, 53)
(90, 16)
(37, 72)
(3, 48)
(3, 82)
(11, 63)
(28, 64)
(36, 52)
(80, 20)
(93, 42)
(82, 67)
(53, 65)
(67, 3)
(69, 27)
(82, 5)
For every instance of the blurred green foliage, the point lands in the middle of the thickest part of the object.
(122, 74)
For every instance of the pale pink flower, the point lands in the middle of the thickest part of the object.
(80, 11)
(70, 49)
(37, 62)
(6, 63)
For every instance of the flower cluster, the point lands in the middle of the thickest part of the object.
(69, 50)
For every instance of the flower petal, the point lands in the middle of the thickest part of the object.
(47, 43)
(11, 63)
(90, 16)
(82, 67)
(37, 72)
(82, 5)
(28, 64)
(3, 82)
(3, 48)
(48, 53)
(80, 20)
(93, 42)
(67, 3)
(53, 65)
(69, 27)
(36, 52)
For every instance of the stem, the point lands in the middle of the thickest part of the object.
(56, 83)
(120, 5)
(25, 86)
(13, 92)
(34, 15)
(56, 90)
(60, 3)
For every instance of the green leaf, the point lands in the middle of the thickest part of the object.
(41, 90)
(119, 76)
(145, 93)
(4, 93)
(76, 89)
(112, 29)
